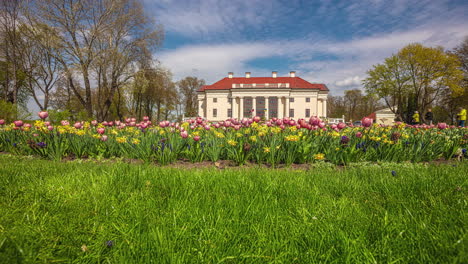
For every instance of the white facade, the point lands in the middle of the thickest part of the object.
(274, 99)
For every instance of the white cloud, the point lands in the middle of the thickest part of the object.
(212, 62)
(350, 81)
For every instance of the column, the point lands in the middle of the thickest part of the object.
(241, 107)
(324, 108)
(254, 105)
(280, 107)
(288, 106)
(200, 108)
(234, 107)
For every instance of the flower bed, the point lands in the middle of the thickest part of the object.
(276, 141)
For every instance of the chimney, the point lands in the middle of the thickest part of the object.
(247, 74)
(230, 74)
(273, 74)
(292, 74)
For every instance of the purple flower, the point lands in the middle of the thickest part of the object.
(394, 174)
(109, 243)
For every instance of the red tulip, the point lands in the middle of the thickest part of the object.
(196, 138)
(101, 130)
(359, 135)
(341, 125)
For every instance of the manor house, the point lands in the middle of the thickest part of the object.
(239, 97)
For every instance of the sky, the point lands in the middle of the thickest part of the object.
(324, 41)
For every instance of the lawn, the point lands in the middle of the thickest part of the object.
(114, 212)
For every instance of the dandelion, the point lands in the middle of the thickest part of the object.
(266, 150)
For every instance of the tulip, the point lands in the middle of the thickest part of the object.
(101, 130)
(78, 125)
(442, 126)
(64, 123)
(196, 138)
(50, 128)
(292, 122)
(321, 125)
(43, 114)
(2, 121)
(333, 126)
(256, 119)
(359, 135)
(184, 134)
(237, 127)
(133, 120)
(314, 121)
(366, 122)
(94, 122)
(18, 123)
(47, 123)
(145, 118)
(207, 127)
(105, 123)
(104, 138)
(341, 125)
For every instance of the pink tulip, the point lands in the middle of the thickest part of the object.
(162, 124)
(50, 128)
(78, 125)
(104, 138)
(2, 121)
(18, 123)
(132, 124)
(43, 114)
(94, 122)
(199, 120)
(442, 126)
(237, 127)
(207, 127)
(298, 126)
(64, 123)
(133, 119)
(333, 126)
(341, 125)
(184, 134)
(256, 119)
(196, 138)
(282, 127)
(366, 122)
(145, 118)
(110, 123)
(314, 121)
(321, 125)
(359, 135)
(101, 130)
(27, 125)
(292, 122)
(105, 123)
(47, 123)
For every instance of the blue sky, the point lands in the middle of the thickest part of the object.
(325, 41)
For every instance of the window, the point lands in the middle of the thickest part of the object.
(215, 100)
(230, 100)
(215, 112)
(291, 100)
(291, 112)
(229, 112)
(307, 112)
(307, 99)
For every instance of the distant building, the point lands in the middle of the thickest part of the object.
(239, 97)
(383, 116)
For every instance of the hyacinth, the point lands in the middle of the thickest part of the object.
(344, 140)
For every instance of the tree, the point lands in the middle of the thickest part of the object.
(414, 79)
(98, 43)
(188, 88)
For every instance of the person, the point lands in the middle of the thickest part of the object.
(429, 116)
(461, 117)
(415, 118)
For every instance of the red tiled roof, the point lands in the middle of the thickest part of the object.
(294, 82)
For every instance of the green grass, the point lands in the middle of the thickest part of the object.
(361, 214)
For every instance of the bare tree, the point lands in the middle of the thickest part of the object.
(188, 88)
